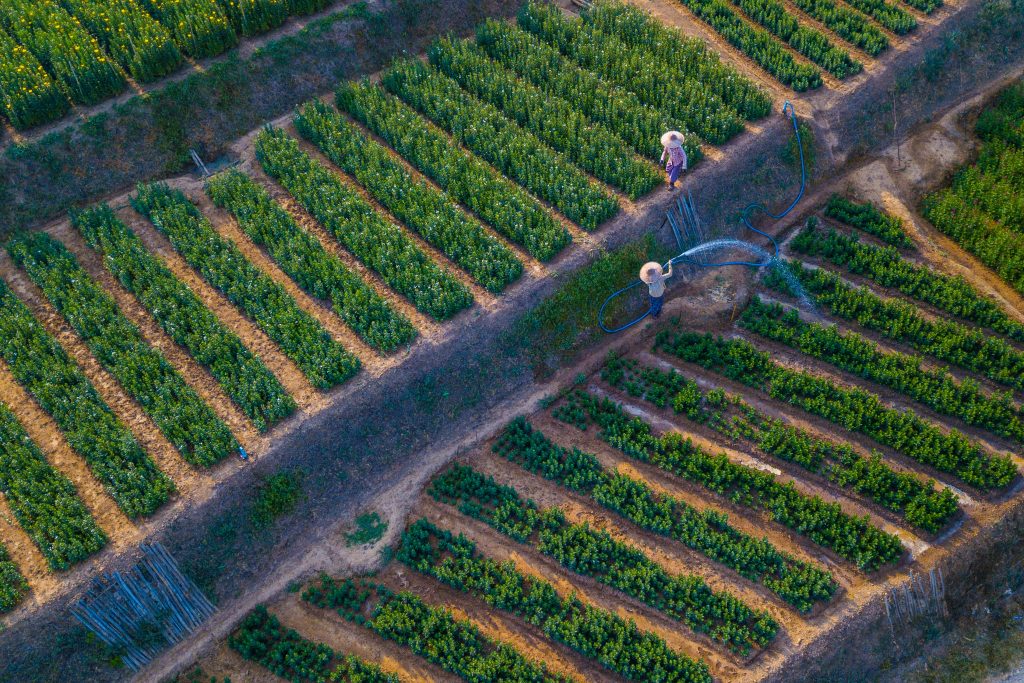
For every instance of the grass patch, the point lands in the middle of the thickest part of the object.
(275, 498)
(370, 528)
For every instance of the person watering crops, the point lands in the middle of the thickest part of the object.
(655, 277)
(673, 152)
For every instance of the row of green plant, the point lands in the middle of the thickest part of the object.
(304, 259)
(926, 6)
(284, 652)
(72, 57)
(502, 204)
(853, 538)
(413, 201)
(917, 500)
(43, 500)
(598, 634)
(13, 585)
(866, 216)
(901, 321)
(515, 152)
(253, 17)
(757, 43)
(140, 44)
(799, 583)
(992, 185)
(849, 25)
(853, 353)
(637, 70)
(595, 553)
(185, 318)
(454, 644)
(28, 96)
(603, 101)
(851, 408)
(40, 364)
(554, 121)
(691, 56)
(808, 41)
(303, 339)
(181, 415)
(888, 14)
(199, 27)
(886, 266)
(360, 228)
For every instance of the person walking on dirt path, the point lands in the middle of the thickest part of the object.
(672, 144)
(655, 277)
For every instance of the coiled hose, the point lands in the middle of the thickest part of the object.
(747, 213)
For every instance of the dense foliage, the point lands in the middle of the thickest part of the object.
(947, 340)
(221, 263)
(598, 634)
(799, 583)
(252, 17)
(555, 121)
(28, 95)
(188, 423)
(851, 408)
(852, 26)
(916, 499)
(136, 41)
(199, 27)
(886, 13)
(433, 633)
(885, 265)
(505, 206)
(67, 51)
(42, 366)
(597, 554)
(853, 538)
(413, 201)
(43, 500)
(926, 6)
(868, 218)
(360, 228)
(512, 150)
(12, 584)
(853, 353)
(184, 317)
(260, 638)
(690, 56)
(654, 81)
(301, 256)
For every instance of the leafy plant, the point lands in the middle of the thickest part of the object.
(199, 27)
(12, 584)
(370, 528)
(276, 497)
(27, 93)
(252, 17)
(852, 26)
(868, 218)
(888, 14)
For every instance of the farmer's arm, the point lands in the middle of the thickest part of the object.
(664, 151)
(668, 273)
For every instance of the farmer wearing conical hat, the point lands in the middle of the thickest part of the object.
(673, 151)
(653, 274)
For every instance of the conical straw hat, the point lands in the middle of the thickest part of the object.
(649, 266)
(667, 141)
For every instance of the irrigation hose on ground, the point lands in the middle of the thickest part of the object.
(746, 216)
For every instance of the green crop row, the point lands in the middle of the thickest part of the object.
(888, 14)
(885, 265)
(853, 538)
(654, 82)
(690, 56)
(27, 93)
(851, 408)
(926, 6)
(12, 584)
(853, 353)
(260, 638)
(378, 243)
(415, 202)
(595, 553)
(301, 256)
(43, 500)
(188, 423)
(707, 532)
(222, 264)
(199, 27)
(554, 121)
(513, 151)
(809, 42)
(64, 48)
(868, 218)
(758, 44)
(598, 634)
(186, 319)
(915, 499)
(947, 340)
(992, 185)
(604, 102)
(467, 179)
(40, 364)
(433, 633)
(849, 25)
(141, 45)
(253, 17)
